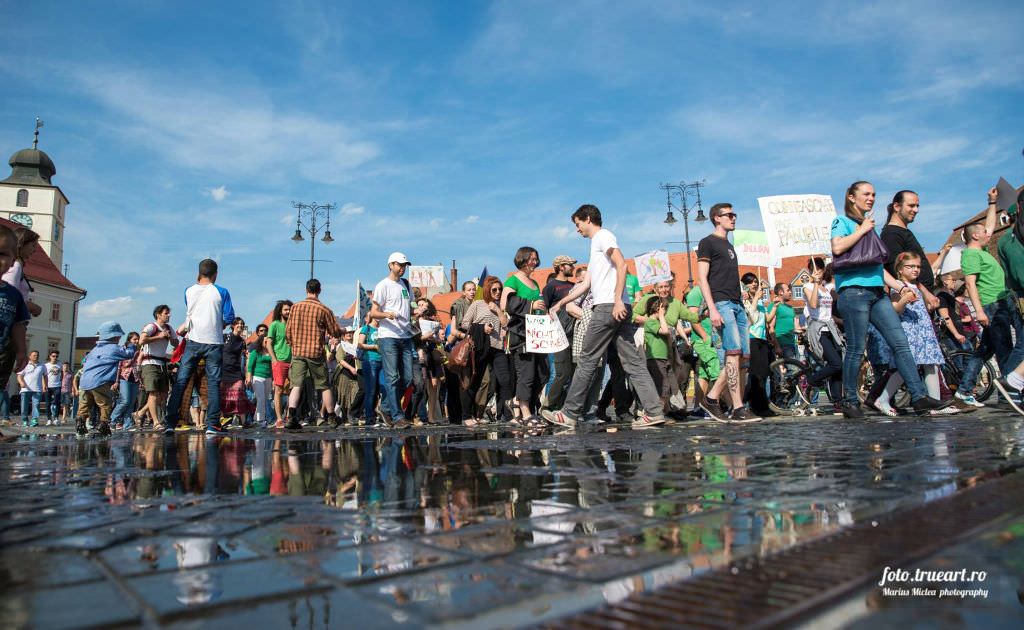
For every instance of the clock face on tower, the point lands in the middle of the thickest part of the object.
(23, 219)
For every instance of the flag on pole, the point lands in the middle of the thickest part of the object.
(363, 305)
(480, 284)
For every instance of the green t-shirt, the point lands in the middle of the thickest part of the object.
(279, 342)
(632, 286)
(258, 365)
(523, 290)
(991, 280)
(784, 314)
(1011, 256)
(656, 345)
(696, 298)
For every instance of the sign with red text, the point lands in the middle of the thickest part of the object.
(545, 335)
(798, 225)
(752, 249)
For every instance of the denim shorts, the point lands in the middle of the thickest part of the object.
(735, 333)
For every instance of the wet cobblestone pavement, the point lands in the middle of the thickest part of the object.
(443, 526)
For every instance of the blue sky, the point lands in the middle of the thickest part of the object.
(466, 129)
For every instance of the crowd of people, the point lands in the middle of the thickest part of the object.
(633, 352)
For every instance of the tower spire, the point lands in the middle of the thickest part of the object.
(35, 141)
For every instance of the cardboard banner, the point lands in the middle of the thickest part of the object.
(545, 335)
(798, 225)
(1007, 195)
(752, 249)
(426, 276)
(652, 267)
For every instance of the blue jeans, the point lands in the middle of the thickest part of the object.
(996, 340)
(735, 332)
(371, 381)
(194, 352)
(5, 405)
(398, 358)
(53, 402)
(30, 400)
(858, 306)
(127, 391)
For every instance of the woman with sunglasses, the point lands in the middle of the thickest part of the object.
(487, 313)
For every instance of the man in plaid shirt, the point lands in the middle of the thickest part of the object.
(307, 329)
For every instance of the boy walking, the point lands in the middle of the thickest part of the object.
(611, 322)
(99, 373)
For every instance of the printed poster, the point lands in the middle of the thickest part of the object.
(653, 267)
(426, 276)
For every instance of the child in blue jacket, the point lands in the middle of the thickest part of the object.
(99, 372)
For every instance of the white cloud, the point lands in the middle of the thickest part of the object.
(472, 218)
(435, 223)
(351, 210)
(560, 232)
(233, 129)
(114, 307)
(220, 193)
(288, 219)
(148, 290)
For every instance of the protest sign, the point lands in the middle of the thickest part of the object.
(545, 335)
(752, 249)
(1007, 195)
(428, 327)
(652, 267)
(363, 305)
(798, 225)
(426, 276)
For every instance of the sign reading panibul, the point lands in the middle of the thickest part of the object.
(798, 225)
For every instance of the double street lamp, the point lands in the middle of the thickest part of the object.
(682, 189)
(312, 217)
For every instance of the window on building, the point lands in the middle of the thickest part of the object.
(55, 312)
(22, 198)
(798, 293)
(52, 345)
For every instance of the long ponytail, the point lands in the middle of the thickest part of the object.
(848, 208)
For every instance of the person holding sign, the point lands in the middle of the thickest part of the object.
(861, 281)
(521, 297)
(611, 322)
(719, 281)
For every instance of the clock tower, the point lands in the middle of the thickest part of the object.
(29, 197)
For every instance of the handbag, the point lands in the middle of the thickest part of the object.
(868, 251)
(461, 354)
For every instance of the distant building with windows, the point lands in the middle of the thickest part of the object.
(29, 198)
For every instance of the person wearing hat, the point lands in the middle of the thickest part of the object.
(392, 298)
(99, 373)
(564, 268)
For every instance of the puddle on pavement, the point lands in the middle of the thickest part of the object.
(461, 508)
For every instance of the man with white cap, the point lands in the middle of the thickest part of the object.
(392, 298)
(99, 373)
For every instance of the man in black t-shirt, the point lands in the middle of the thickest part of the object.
(556, 289)
(898, 239)
(719, 277)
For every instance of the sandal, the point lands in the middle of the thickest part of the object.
(535, 422)
(470, 423)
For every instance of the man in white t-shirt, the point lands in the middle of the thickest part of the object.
(208, 310)
(157, 344)
(53, 370)
(392, 299)
(32, 379)
(611, 321)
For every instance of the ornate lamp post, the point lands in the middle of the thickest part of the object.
(682, 189)
(312, 217)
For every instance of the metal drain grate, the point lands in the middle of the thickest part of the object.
(777, 589)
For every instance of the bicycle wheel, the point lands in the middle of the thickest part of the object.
(952, 372)
(787, 385)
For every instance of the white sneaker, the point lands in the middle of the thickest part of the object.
(968, 399)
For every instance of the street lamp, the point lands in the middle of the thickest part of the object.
(312, 217)
(683, 189)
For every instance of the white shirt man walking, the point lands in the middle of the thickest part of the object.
(611, 322)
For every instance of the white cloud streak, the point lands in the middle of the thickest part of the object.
(114, 307)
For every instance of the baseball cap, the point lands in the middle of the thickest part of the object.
(398, 257)
(563, 260)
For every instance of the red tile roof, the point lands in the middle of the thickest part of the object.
(39, 267)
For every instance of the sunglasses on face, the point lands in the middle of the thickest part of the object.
(728, 215)
(496, 290)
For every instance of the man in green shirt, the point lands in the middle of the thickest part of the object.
(994, 304)
(633, 288)
(280, 356)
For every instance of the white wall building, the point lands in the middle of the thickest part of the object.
(29, 198)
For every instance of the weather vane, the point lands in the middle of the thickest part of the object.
(39, 123)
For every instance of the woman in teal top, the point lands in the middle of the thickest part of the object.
(862, 300)
(519, 298)
(258, 374)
